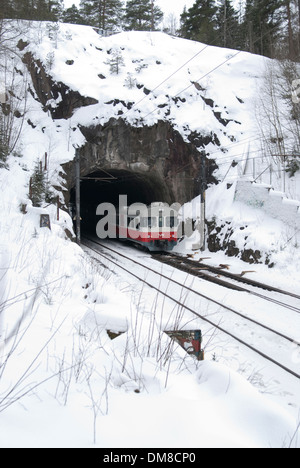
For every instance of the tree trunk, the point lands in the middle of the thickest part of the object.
(292, 54)
(152, 15)
(299, 26)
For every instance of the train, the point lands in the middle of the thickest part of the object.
(153, 227)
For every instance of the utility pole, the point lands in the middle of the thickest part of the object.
(152, 15)
(299, 23)
(202, 226)
(284, 172)
(77, 189)
(225, 24)
(203, 201)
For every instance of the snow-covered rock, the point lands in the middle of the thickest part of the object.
(63, 382)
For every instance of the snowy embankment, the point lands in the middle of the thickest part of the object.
(63, 381)
(210, 92)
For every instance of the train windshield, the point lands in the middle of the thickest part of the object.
(171, 221)
(161, 220)
(149, 222)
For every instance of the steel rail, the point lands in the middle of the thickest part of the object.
(241, 279)
(218, 327)
(201, 271)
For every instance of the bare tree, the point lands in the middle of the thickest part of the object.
(171, 25)
(292, 52)
(13, 90)
(279, 118)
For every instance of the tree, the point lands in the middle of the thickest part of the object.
(290, 30)
(115, 62)
(4, 150)
(6, 9)
(199, 22)
(13, 89)
(12, 111)
(55, 8)
(228, 25)
(37, 186)
(289, 73)
(104, 14)
(279, 117)
(73, 15)
(42, 10)
(292, 16)
(262, 23)
(142, 15)
(298, 23)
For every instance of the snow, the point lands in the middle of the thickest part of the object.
(211, 397)
(57, 304)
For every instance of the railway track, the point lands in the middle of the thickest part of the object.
(223, 272)
(110, 255)
(214, 275)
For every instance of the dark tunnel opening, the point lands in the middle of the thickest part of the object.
(107, 186)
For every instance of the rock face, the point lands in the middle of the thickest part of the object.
(54, 96)
(169, 166)
(156, 154)
(220, 239)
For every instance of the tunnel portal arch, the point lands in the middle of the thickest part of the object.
(146, 163)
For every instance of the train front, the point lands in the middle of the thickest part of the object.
(155, 227)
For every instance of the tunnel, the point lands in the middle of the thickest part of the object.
(147, 164)
(103, 186)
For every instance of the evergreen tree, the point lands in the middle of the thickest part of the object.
(142, 15)
(115, 62)
(41, 10)
(6, 9)
(106, 15)
(298, 25)
(56, 8)
(73, 15)
(228, 25)
(199, 22)
(290, 46)
(19, 9)
(262, 22)
(4, 150)
(37, 186)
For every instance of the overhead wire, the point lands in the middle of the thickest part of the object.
(141, 118)
(167, 79)
(171, 75)
(196, 81)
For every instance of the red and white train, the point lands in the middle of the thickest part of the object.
(154, 227)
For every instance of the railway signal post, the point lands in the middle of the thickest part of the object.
(77, 189)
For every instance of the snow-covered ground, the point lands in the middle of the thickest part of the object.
(93, 381)
(63, 381)
(67, 384)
